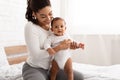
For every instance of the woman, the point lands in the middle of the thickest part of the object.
(39, 16)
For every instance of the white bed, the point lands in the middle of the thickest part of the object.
(93, 72)
(90, 72)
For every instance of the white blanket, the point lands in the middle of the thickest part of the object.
(90, 72)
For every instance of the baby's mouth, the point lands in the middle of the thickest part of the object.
(59, 31)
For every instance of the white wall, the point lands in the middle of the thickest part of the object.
(99, 49)
(56, 7)
(12, 21)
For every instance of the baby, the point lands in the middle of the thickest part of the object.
(62, 59)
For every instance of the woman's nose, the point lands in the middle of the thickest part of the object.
(49, 18)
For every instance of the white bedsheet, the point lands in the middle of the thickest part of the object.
(11, 72)
(90, 72)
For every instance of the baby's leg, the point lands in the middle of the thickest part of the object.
(68, 69)
(54, 70)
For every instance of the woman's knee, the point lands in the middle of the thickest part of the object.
(35, 76)
(30, 73)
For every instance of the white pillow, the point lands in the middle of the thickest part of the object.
(3, 57)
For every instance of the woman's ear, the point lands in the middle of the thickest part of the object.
(34, 15)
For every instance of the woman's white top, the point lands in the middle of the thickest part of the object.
(35, 37)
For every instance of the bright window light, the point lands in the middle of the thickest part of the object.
(93, 16)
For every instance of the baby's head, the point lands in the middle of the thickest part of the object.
(58, 26)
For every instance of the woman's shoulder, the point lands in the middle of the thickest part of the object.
(31, 26)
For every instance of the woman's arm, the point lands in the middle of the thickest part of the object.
(33, 41)
(63, 45)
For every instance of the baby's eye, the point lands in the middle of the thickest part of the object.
(62, 26)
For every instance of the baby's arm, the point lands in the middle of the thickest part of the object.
(51, 51)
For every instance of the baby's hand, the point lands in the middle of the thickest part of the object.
(81, 45)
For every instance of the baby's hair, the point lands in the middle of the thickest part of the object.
(55, 19)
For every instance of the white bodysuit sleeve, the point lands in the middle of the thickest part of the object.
(32, 38)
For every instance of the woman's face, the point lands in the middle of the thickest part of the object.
(44, 17)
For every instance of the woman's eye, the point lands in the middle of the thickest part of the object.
(43, 17)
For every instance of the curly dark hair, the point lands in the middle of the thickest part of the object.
(55, 19)
(34, 6)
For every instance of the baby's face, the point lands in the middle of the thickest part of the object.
(59, 27)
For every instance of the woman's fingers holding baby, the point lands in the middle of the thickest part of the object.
(65, 44)
(74, 45)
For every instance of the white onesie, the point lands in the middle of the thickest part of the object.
(61, 56)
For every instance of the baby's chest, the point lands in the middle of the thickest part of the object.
(57, 40)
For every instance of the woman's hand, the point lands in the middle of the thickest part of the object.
(74, 45)
(65, 44)
(81, 45)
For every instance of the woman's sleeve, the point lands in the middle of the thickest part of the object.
(32, 41)
(47, 43)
